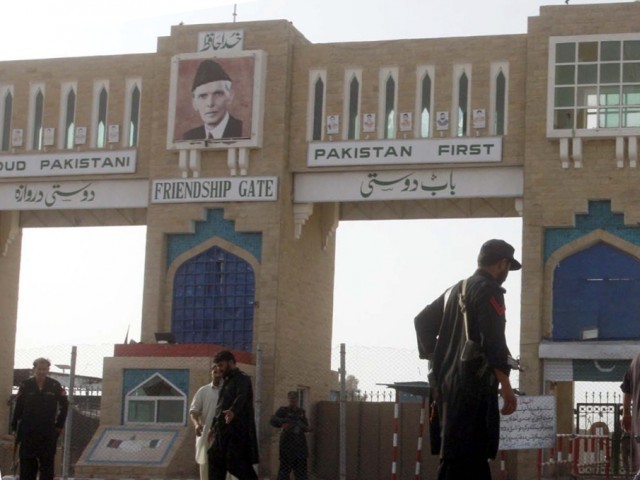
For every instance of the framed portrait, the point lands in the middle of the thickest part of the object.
(17, 136)
(369, 123)
(113, 133)
(442, 121)
(333, 124)
(81, 135)
(479, 119)
(48, 137)
(406, 122)
(216, 100)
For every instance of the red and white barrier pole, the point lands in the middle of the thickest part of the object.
(503, 465)
(394, 456)
(420, 436)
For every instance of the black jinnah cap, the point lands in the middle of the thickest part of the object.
(209, 71)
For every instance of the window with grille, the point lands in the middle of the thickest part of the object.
(213, 300)
(156, 400)
(594, 85)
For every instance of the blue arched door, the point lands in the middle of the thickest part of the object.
(598, 287)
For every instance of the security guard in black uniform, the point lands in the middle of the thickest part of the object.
(293, 444)
(38, 420)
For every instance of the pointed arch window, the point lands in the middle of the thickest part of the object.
(424, 94)
(463, 106)
(213, 300)
(134, 118)
(317, 106)
(7, 113)
(352, 113)
(499, 98)
(500, 106)
(36, 139)
(156, 400)
(70, 120)
(101, 134)
(390, 108)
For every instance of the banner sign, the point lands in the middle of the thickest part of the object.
(74, 195)
(408, 184)
(220, 189)
(103, 162)
(395, 152)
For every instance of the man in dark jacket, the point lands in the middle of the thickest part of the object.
(465, 416)
(234, 442)
(38, 420)
(293, 443)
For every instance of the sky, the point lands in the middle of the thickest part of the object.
(84, 286)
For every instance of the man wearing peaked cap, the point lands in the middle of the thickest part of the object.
(212, 95)
(462, 333)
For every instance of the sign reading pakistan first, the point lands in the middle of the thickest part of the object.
(416, 151)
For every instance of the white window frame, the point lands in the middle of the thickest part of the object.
(313, 78)
(421, 71)
(582, 132)
(129, 397)
(495, 69)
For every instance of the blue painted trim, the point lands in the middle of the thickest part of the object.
(215, 225)
(600, 217)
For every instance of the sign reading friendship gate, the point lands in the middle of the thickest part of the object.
(411, 151)
(218, 189)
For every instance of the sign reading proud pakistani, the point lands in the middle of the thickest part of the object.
(68, 163)
(395, 152)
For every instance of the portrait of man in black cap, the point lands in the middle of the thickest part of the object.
(212, 96)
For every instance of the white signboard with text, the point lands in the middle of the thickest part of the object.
(74, 195)
(410, 151)
(408, 184)
(531, 426)
(104, 162)
(219, 189)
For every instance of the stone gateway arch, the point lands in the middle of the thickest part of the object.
(240, 230)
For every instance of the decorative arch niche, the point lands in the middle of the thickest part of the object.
(594, 289)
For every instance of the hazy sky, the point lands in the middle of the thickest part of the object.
(84, 286)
